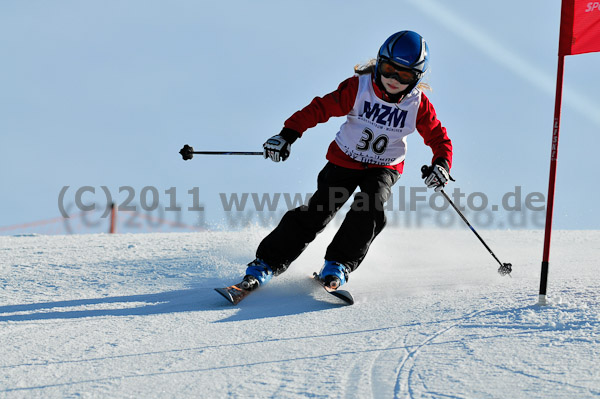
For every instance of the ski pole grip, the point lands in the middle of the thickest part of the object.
(425, 170)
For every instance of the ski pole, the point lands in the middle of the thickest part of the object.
(187, 152)
(505, 268)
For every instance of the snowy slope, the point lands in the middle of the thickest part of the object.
(135, 316)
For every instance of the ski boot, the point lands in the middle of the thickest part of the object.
(334, 274)
(257, 274)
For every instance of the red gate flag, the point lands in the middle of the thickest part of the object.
(579, 27)
(579, 33)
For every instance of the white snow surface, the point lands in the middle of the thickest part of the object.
(135, 316)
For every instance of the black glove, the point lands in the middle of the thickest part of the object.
(436, 176)
(278, 147)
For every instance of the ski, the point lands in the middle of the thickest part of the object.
(340, 294)
(234, 293)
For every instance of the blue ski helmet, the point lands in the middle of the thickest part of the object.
(407, 49)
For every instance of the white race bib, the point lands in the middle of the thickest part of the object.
(375, 131)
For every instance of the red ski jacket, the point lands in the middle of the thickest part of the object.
(341, 101)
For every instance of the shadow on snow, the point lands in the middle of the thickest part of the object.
(272, 301)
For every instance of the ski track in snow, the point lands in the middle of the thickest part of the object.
(135, 316)
(403, 380)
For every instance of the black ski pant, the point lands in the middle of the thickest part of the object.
(363, 222)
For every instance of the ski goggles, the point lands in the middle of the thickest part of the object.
(390, 71)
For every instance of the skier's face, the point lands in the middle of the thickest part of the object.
(392, 86)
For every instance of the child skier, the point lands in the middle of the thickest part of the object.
(384, 103)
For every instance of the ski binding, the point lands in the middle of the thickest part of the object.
(340, 294)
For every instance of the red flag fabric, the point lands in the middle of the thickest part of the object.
(579, 27)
